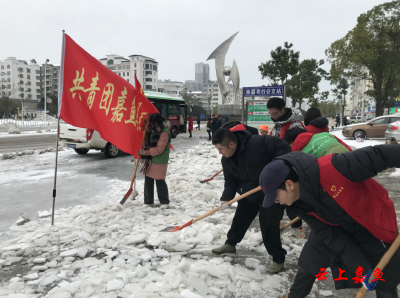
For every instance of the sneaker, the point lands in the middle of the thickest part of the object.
(224, 248)
(296, 232)
(148, 205)
(275, 268)
(165, 206)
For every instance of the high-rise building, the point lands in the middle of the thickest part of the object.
(52, 72)
(146, 69)
(193, 85)
(20, 81)
(202, 73)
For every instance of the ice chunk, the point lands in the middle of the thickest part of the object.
(136, 239)
(189, 294)
(146, 257)
(198, 284)
(273, 281)
(286, 241)
(252, 263)
(51, 264)
(227, 259)
(31, 276)
(39, 261)
(161, 253)
(13, 259)
(82, 252)
(48, 280)
(44, 213)
(326, 293)
(69, 253)
(216, 261)
(88, 262)
(86, 236)
(114, 285)
(206, 237)
(255, 286)
(181, 247)
(111, 254)
(39, 268)
(15, 286)
(42, 241)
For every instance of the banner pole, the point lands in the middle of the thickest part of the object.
(55, 174)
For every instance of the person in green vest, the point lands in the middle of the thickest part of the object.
(155, 158)
(319, 144)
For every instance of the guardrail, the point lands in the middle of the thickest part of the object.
(27, 125)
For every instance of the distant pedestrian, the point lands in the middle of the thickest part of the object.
(264, 130)
(337, 120)
(209, 128)
(332, 122)
(190, 128)
(224, 120)
(215, 124)
(198, 122)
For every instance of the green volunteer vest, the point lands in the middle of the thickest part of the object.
(322, 144)
(164, 156)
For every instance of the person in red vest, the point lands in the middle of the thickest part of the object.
(285, 119)
(352, 219)
(190, 128)
(314, 122)
(319, 144)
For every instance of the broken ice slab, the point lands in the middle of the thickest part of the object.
(44, 213)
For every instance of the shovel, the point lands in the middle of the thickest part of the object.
(207, 180)
(290, 223)
(382, 264)
(178, 228)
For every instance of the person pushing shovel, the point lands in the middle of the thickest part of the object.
(244, 157)
(352, 219)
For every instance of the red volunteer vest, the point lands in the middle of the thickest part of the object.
(285, 128)
(366, 202)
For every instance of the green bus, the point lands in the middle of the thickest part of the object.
(173, 109)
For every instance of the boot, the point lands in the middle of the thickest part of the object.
(275, 267)
(224, 248)
(147, 205)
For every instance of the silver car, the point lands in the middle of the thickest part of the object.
(393, 130)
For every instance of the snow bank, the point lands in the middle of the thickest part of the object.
(29, 152)
(356, 145)
(107, 249)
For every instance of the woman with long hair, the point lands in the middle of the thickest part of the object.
(155, 158)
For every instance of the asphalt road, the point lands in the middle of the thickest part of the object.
(24, 142)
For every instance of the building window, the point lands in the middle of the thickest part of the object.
(119, 67)
(155, 67)
(28, 70)
(149, 80)
(128, 67)
(134, 64)
(127, 74)
(109, 62)
(149, 72)
(149, 87)
(119, 74)
(2, 67)
(28, 76)
(8, 66)
(123, 74)
(127, 80)
(8, 72)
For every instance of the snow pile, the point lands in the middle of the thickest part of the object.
(194, 136)
(107, 249)
(29, 152)
(13, 129)
(42, 117)
(8, 125)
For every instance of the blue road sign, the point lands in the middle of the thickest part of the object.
(202, 116)
(263, 91)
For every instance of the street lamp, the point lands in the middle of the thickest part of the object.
(45, 99)
(209, 103)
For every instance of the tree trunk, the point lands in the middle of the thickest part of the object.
(379, 108)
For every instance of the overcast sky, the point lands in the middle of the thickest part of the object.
(178, 33)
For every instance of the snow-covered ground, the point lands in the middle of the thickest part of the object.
(105, 250)
(354, 144)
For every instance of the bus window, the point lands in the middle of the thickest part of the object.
(173, 112)
(162, 109)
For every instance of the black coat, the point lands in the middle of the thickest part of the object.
(230, 124)
(348, 245)
(242, 171)
(215, 124)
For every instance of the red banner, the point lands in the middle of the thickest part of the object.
(94, 97)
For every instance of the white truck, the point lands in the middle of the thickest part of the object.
(82, 140)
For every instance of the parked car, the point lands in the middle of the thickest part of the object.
(393, 130)
(355, 119)
(374, 128)
(82, 140)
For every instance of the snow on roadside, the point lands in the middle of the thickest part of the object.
(107, 249)
(356, 145)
